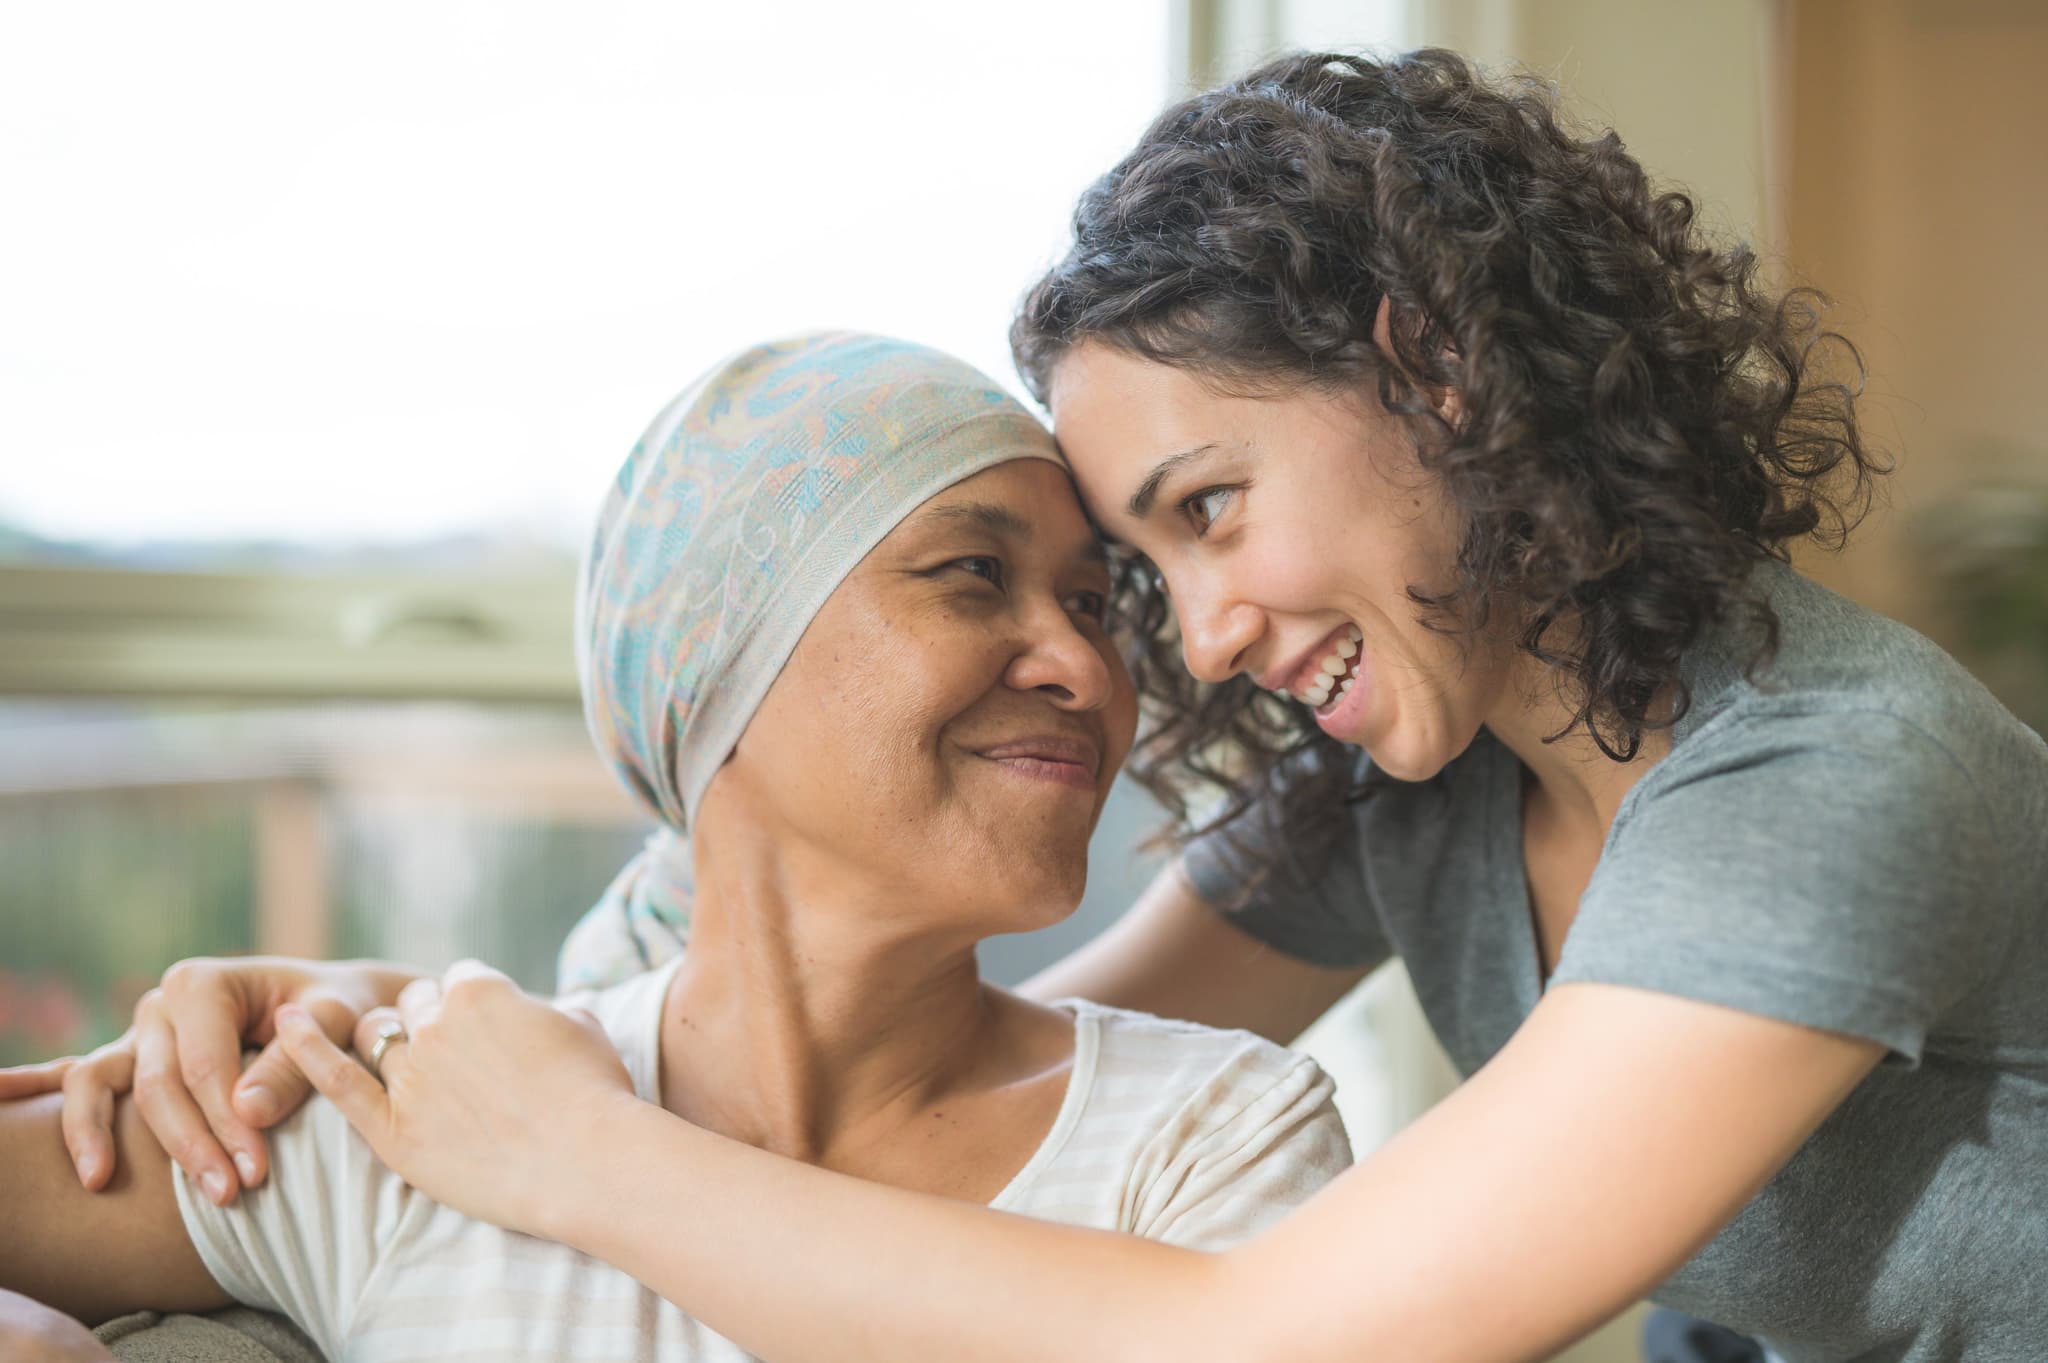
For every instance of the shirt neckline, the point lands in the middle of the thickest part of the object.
(645, 1071)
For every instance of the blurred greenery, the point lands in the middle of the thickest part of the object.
(100, 895)
(105, 887)
(1987, 551)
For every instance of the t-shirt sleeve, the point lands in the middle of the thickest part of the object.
(306, 1243)
(1249, 1148)
(1833, 869)
(1320, 913)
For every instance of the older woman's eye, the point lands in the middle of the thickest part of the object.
(983, 566)
(1202, 508)
(1094, 605)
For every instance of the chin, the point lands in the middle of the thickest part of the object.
(1412, 761)
(1034, 898)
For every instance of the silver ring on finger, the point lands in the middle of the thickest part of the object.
(390, 1031)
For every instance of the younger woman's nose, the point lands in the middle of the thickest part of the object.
(1215, 633)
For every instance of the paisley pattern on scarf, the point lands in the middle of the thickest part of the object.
(745, 504)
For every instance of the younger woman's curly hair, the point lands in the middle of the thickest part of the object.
(1639, 419)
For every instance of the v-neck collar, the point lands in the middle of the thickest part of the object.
(1517, 906)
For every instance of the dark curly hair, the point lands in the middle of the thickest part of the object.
(1639, 419)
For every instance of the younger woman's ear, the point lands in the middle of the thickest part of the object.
(1443, 400)
(1448, 405)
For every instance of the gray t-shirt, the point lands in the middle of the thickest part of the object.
(1856, 841)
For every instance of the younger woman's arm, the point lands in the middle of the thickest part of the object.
(1609, 1140)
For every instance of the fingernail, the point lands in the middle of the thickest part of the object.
(87, 1167)
(246, 1167)
(259, 1103)
(216, 1185)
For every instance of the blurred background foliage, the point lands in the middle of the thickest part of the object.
(1987, 552)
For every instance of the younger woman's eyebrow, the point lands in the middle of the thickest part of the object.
(1140, 505)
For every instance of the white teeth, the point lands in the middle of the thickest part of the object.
(1330, 679)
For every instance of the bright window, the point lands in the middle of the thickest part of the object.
(319, 276)
(388, 291)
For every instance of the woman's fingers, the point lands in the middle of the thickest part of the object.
(208, 1044)
(366, 1039)
(87, 1117)
(339, 1079)
(418, 1002)
(272, 1088)
(177, 1121)
(26, 1081)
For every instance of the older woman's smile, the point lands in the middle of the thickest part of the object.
(1066, 759)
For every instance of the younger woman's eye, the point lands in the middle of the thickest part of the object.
(1203, 507)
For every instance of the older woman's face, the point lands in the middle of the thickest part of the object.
(954, 715)
(1288, 530)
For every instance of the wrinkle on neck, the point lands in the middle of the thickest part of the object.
(815, 1008)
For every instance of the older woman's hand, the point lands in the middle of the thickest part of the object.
(490, 1100)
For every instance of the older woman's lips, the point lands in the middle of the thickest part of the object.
(1060, 758)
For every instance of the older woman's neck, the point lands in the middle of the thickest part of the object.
(814, 1012)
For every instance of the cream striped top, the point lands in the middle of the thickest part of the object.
(1169, 1130)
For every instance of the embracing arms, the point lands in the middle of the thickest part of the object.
(1171, 955)
(1642, 1122)
(182, 1057)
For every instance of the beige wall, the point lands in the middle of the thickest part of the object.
(1917, 195)
(1684, 83)
(1888, 151)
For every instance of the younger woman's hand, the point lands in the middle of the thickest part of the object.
(182, 1057)
(491, 1103)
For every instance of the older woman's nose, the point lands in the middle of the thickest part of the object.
(1061, 661)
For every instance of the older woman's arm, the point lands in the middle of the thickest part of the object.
(1641, 1121)
(94, 1255)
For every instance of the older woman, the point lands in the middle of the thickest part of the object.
(843, 623)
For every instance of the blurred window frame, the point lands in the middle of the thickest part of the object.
(112, 632)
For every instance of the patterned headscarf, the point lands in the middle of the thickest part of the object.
(742, 508)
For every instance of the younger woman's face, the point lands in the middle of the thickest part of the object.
(1288, 529)
(951, 721)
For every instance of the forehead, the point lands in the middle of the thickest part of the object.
(1117, 414)
(1132, 428)
(1026, 501)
